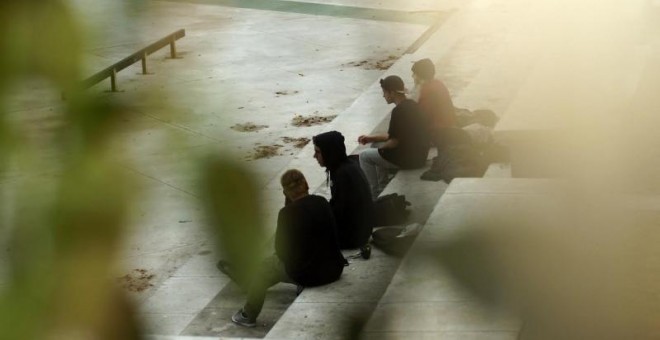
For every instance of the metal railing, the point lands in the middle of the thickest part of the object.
(142, 54)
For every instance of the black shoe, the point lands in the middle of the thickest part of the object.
(224, 267)
(365, 252)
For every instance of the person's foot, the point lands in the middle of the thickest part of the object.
(240, 318)
(365, 252)
(224, 267)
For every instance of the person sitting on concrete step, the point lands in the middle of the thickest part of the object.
(306, 249)
(351, 200)
(434, 99)
(404, 146)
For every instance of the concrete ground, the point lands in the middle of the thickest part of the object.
(244, 72)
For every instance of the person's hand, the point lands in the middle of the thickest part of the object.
(364, 139)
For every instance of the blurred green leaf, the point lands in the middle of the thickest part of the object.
(235, 213)
(40, 38)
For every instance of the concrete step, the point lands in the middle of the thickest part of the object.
(424, 299)
(502, 237)
(498, 170)
(338, 310)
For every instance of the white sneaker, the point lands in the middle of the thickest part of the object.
(241, 319)
(410, 230)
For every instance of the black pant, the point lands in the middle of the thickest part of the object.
(271, 272)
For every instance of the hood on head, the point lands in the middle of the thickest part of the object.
(332, 148)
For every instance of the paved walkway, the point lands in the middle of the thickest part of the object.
(244, 73)
(246, 70)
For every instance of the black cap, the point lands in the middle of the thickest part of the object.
(393, 83)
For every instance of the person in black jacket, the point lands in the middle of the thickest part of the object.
(306, 249)
(351, 200)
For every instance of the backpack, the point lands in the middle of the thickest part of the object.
(395, 240)
(390, 210)
(465, 117)
(456, 161)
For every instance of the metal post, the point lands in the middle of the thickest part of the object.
(173, 47)
(113, 80)
(141, 55)
(144, 63)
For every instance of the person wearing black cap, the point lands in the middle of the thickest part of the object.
(434, 99)
(404, 146)
(351, 200)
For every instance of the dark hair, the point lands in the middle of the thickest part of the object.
(424, 69)
(392, 83)
(332, 148)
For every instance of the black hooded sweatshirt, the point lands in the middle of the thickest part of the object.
(351, 200)
(306, 242)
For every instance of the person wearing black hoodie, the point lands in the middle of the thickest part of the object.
(351, 200)
(306, 249)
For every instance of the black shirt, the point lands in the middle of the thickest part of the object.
(351, 196)
(351, 204)
(306, 241)
(407, 126)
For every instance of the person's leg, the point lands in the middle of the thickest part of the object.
(229, 269)
(272, 271)
(370, 169)
(375, 168)
(226, 268)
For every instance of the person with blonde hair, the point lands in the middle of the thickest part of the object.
(306, 249)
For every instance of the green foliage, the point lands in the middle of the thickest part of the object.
(235, 214)
(62, 234)
(63, 231)
(40, 38)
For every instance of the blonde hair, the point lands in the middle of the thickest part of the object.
(294, 183)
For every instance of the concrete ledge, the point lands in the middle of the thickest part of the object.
(423, 299)
(558, 137)
(498, 170)
(329, 311)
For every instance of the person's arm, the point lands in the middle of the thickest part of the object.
(393, 131)
(281, 237)
(291, 244)
(340, 199)
(292, 226)
(364, 139)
